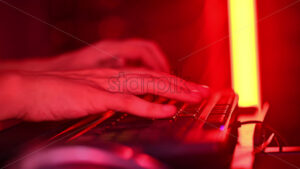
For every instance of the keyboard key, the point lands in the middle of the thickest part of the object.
(216, 118)
(220, 109)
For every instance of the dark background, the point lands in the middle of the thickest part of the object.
(194, 28)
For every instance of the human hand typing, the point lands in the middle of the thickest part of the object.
(88, 81)
(61, 95)
(107, 53)
(119, 54)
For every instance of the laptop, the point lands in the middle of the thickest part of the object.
(197, 136)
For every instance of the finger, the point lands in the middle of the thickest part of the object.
(146, 84)
(138, 81)
(147, 58)
(150, 54)
(188, 86)
(160, 86)
(136, 106)
(158, 54)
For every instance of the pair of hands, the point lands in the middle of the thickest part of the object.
(97, 79)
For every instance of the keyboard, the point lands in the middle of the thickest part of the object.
(198, 131)
(211, 114)
(197, 136)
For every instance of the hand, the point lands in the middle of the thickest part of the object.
(119, 54)
(72, 94)
(105, 54)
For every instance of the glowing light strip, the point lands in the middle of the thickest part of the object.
(244, 55)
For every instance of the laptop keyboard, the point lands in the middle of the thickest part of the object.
(129, 129)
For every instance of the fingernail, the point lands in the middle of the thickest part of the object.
(195, 91)
(197, 94)
(205, 90)
(204, 86)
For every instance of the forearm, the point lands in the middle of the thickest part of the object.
(11, 103)
(46, 64)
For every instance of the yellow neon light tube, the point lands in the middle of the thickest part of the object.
(244, 55)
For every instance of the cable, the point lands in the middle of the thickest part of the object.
(278, 138)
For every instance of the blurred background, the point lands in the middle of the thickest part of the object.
(192, 33)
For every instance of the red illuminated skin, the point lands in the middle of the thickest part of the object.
(108, 53)
(46, 94)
